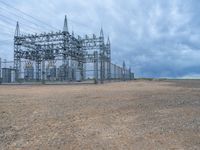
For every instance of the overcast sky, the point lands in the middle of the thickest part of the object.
(157, 38)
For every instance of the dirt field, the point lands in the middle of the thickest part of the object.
(149, 115)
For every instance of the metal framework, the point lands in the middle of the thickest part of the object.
(61, 45)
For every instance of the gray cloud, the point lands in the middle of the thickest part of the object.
(157, 38)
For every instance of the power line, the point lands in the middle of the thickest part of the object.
(12, 20)
(75, 22)
(39, 21)
(27, 20)
(8, 5)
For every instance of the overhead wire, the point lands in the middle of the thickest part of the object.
(41, 23)
(22, 12)
(36, 26)
(13, 21)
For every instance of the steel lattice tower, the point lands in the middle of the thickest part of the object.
(51, 46)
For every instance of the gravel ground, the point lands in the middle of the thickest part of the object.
(136, 115)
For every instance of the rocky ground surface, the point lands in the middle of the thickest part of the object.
(136, 115)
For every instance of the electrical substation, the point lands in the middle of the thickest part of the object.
(62, 57)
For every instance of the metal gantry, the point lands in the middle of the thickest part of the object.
(40, 52)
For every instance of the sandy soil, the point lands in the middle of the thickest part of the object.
(136, 115)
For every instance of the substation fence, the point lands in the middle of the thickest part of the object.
(54, 72)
